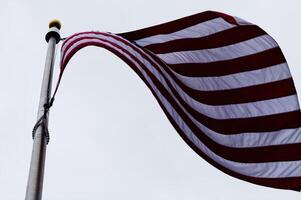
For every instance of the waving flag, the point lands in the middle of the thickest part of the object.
(225, 86)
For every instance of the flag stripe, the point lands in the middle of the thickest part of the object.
(241, 64)
(254, 139)
(229, 52)
(219, 39)
(241, 21)
(238, 80)
(200, 30)
(176, 25)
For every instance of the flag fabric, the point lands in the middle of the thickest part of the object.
(225, 86)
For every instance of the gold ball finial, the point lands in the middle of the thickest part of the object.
(55, 23)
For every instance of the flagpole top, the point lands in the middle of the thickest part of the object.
(54, 30)
(55, 23)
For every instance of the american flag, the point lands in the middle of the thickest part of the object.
(225, 86)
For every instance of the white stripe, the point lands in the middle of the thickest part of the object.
(262, 170)
(245, 110)
(200, 30)
(237, 80)
(242, 21)
(240, 140)
(255, 139)
(237, 50)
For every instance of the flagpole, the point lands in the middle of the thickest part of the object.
(40, 140)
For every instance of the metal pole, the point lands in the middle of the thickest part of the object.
(37, 164)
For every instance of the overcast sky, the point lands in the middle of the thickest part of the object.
(109, 138)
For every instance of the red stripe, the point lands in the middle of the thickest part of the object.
(224, 38)
(176, 25)
(220, 68)
(73, 36)
(284, 183)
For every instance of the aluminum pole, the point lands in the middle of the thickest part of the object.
(37, 164)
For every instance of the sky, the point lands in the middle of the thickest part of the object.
(109, 138)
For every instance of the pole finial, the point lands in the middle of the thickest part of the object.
(55, 23)
(54, 30)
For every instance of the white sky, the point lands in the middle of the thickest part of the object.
(109, 138)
